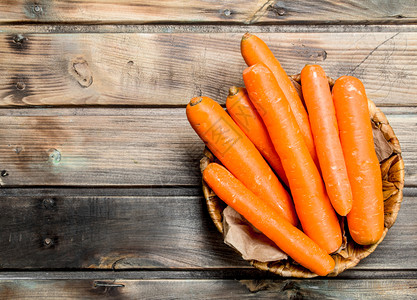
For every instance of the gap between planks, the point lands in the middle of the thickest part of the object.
(199, 28)
(211, 289)
(122, 191)
(221, 273)
(197, 11)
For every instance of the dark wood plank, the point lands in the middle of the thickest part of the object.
(247, 12)
(82, 228)
(124, 146)
(209, 289)
(110, 232)
(130, 69)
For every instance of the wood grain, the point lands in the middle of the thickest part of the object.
(56, 231)
(198, 11)
(209, 289)
(168, 69)
(124, 146)
(99, 147)
(143, 229)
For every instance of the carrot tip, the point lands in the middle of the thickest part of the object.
(246, 36)
(195, 101)
(233, 90)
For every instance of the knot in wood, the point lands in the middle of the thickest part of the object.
(80, 70)
(55, 156)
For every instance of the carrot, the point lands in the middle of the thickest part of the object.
(254, 50)
(247, 118)
(318, 98)
(366, 219)
(313, 207)
(233, 148)
(290, 239)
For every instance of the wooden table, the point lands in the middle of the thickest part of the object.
(100, 186)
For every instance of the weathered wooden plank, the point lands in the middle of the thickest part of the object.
(58, 229)
(236, 11)
(113, 232)
(124, 147)
(209, 289)
(169, 69)
(149, 147)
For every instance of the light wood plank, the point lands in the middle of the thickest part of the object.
(236, 11)
(210, 289)
(124, 147)
(169, 69)
(142, 229)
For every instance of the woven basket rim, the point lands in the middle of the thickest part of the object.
(392, 170)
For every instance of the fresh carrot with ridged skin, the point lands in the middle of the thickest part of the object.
(322, 115)
(288, 238)
(237, 153)
(313, 207)
(248, 119)
(366, 219)
(254, 50)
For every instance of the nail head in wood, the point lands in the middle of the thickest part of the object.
(19, 39)
(37, 9)
(280, 11)
(48, 242)
(48, 202)
(20, 85)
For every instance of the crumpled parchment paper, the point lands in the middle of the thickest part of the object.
(254, 245)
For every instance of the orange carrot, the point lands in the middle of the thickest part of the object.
(366, 219)
(254, 50)
(290, 239)
(233, 148)
(313, 207)
(318, 98)
(247, 118)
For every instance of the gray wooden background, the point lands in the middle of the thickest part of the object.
(100, 188)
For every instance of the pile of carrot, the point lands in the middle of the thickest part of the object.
(292, 168)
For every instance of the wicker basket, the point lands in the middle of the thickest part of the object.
(392, 170)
